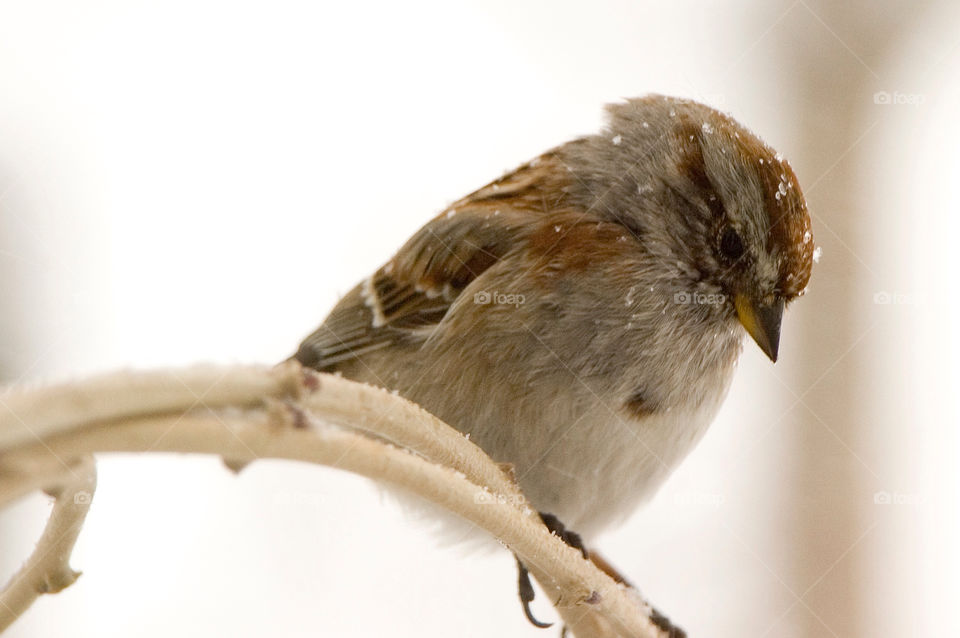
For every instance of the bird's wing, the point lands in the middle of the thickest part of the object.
(413, 291)
(410, 294)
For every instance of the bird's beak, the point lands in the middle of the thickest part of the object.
(762, 322)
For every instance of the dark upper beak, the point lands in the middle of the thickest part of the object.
(762, 322)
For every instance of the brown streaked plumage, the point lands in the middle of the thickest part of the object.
(622, 349)
(581, 317)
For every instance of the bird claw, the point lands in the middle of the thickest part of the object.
(569, 537)
(525, 587)
(527, 595)
(663, 624)
(574, 540)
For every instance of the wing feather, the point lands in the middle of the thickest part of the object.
(415, 290)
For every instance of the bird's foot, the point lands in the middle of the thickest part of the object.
(569, 537)
(527, 594)
(662, 622)
(575, 541)
(525, 587)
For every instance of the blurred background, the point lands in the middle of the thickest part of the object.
(198, 181)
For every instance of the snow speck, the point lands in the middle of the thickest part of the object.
(617, 139)
(782, 188)
(628, 300)
(557, 228)
(496, 212)
(706, 128)
(673, 112)
(644, 188)
(496, 187)
(761, 160)
(645, 125)
(817, 252)
(451, 213)
(807, 236)
(779, 157)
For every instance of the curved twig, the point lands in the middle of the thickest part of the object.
(289, 412)
(47, 571)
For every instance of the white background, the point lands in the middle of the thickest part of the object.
(199, 181)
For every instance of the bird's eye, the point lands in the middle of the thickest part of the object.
(731, 246)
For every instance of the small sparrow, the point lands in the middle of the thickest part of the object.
(581, 317)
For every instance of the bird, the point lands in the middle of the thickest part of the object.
(580, 318)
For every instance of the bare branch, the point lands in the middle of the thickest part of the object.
(243, 414)
(47, 571)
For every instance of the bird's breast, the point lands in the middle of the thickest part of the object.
(610, 460)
